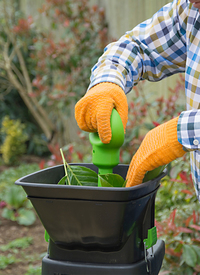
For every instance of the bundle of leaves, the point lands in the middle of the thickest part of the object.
(83, 176)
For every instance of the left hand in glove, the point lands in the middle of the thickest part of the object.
(159, 147)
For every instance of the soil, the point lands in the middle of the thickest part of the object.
(10, 231)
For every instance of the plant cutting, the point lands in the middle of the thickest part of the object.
(83, 176)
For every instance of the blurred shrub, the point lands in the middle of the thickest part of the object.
(49, 64)
(178, 220)
(36, 143)
(177, 208)
(14, 140)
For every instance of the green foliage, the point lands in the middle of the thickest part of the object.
(64, 63)
(14, 140)
(79, 175)
(34, 270)
(17, 247)
(112, 180)
(36, 143)
(16, 206)
(177, 207)
(15, 197)
(82, 176)
(57, 59)
(9, 176)
(17, 243)
(178, 220)
(189, 255)
(7, 260)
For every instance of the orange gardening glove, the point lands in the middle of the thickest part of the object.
(93, 111)
(159, 147)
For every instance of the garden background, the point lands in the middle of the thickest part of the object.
(47, 50)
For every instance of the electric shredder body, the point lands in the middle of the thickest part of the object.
(95, 230)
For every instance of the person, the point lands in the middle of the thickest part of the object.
(161, 46)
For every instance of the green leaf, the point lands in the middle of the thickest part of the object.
(188, 271)
(175, 170)
(8, 214)
(197, 250)
(26, 217)
(150, 175)
(46, 236)
(79, 175)
(178, 248)
(149, 126)
(189, 255)
(15, 196)
(112, 180)
(63, 181)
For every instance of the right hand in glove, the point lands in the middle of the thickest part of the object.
(159, 147)
(93, 111)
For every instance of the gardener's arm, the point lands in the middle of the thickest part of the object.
(153, 50)
(164, 144)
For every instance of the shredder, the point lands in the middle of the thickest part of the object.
(96, 230)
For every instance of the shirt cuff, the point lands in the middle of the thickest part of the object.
(188, 130)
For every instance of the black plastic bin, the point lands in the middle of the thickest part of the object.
(94, 230)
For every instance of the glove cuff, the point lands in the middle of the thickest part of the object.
(106, 87)
(175, 147)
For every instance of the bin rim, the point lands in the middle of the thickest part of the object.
(66, 191)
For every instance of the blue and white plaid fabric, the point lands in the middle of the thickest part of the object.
(166, 44)
(188, 131)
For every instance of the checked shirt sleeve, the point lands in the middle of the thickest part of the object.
(188, 130)
(153, 50)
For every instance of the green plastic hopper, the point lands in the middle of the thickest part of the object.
(106, 156)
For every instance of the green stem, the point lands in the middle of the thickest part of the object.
(64, 162)
(65, 165)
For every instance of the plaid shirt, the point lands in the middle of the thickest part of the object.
(166, 44)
